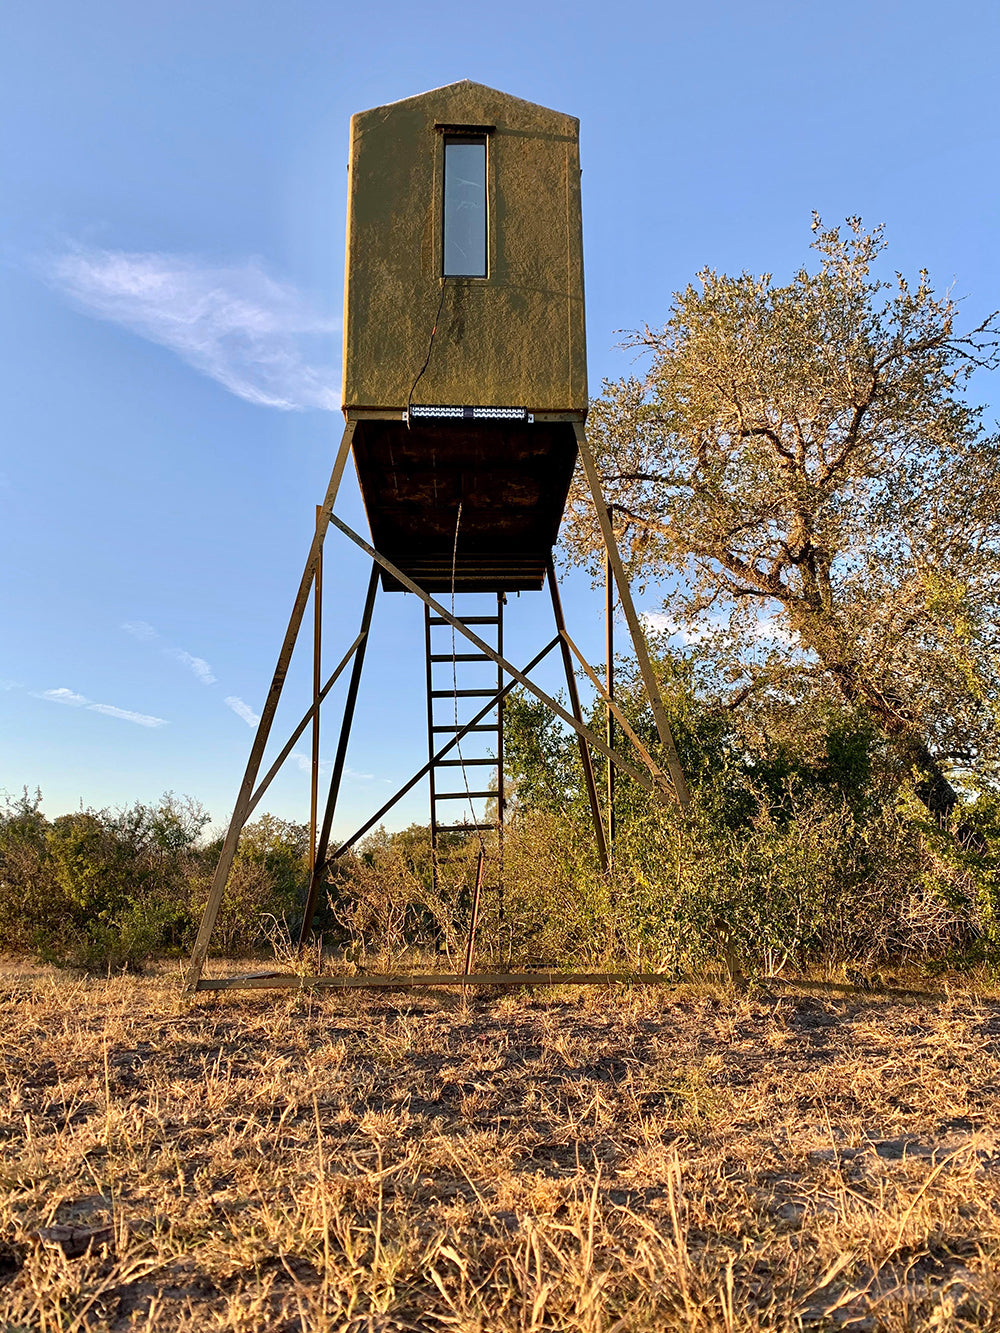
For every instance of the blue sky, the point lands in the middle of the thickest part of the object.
(171, 255)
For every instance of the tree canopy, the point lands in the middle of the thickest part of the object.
(803, 466)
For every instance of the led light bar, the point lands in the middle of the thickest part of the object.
(468, 413)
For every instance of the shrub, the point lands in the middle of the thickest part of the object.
(97, 888)
(267, 883)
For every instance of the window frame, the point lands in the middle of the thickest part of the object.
(466, 134)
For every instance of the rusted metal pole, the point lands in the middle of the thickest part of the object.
(430, 747)
(200, 951)
(317, 651)
(289, 745)
(412, 980)
(336, 777)
(470, 944)
(574, 701)
(632, 620)
(609, 635)
(501, 799)
(519, 676)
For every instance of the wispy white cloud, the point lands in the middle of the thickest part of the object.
(10, 684)
(196, 665)
(145, 633)
(242, 710)
(64, 696)
(304, 763)
(126, 715)
(67, 696)
(258, 337)
(140, 630)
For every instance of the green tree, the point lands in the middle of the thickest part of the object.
(802, 461)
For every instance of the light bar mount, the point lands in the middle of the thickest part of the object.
(467, 413)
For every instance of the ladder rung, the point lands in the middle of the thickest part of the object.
(467, 620)
(460, 657)
(461, 795)
(463, 763)
(465, 828)
(462, 694)
(453, 727)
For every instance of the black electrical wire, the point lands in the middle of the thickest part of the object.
(427, 358)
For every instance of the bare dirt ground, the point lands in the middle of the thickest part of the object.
(607, 1160)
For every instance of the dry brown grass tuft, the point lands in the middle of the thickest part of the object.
(595, 1162)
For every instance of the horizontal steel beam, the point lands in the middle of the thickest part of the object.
(454, 727)
(467, 620)
(407, 981)
(463, 694)
(463, 795)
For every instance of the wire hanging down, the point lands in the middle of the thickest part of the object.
(427, 358)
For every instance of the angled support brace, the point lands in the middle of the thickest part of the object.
(632, 620)
(310, 713)
(595, 680)
(574, 701)
(242, 807)
(641, 778)
(439, 755)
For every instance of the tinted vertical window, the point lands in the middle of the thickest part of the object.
(465, 208)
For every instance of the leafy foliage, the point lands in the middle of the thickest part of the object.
(104, 889)
(804, 459)
(806, 844)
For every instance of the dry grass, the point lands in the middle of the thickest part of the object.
(596, 1162)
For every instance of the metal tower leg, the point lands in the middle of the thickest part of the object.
(501, 800)
(317, 678)
(432, 771)
(609, 612)
(319, 865)
(574, 700)
(241, 809)
(632, 620)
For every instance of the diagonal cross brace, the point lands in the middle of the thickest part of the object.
(239, 816)
(680, 787)
(310, 713)
(438, 755)
(595, 680)
(642, 779)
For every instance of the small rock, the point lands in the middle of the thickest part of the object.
(74, 1241)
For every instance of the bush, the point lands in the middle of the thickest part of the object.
(98, 888)
(267, 883)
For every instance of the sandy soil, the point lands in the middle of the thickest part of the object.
(604, 1160)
